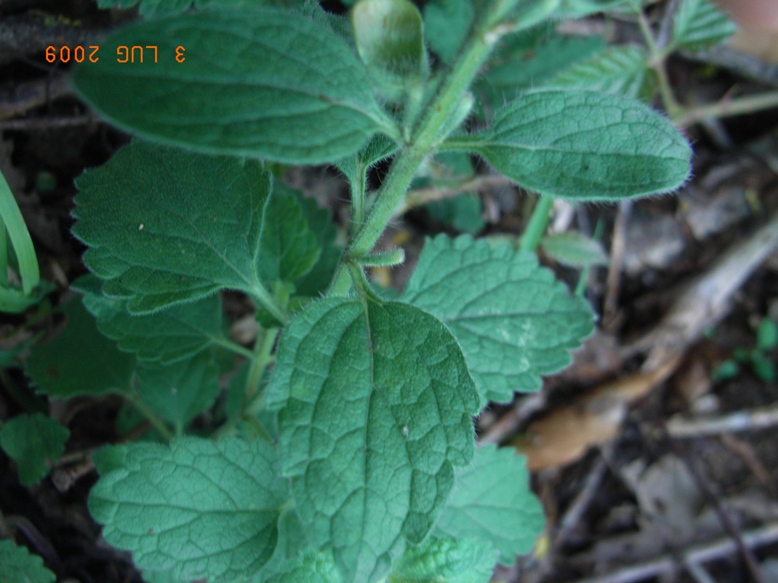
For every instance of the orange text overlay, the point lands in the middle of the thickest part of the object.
(123, 54)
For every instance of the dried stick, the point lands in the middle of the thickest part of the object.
(718, 507)
(422, 196)
(706, 301)
(21, 98)
(610, 307)
(41, 123)
(698, 554)
(761, 418)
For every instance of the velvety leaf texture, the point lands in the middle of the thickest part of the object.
(31, 440)
(466, 560)
(320, 223)
(446, 24)
(585, 146)
(308, 568)
(200, 509)
(180, 391)
(18, 565)
(618, 70)
(493, 502)
(166, 226)
(574, 249)
(257, 82)
(79, 360)
(699, 24)
(288, 247)
(530, 61)
(513, 320)
(375, 403)
(389, 37)
(166, 336)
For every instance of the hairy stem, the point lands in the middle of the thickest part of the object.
(425, 137)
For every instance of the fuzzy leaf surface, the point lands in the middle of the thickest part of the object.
(308, 568)
(699, 24)
(574, 249)
(446, 24)
(389, 37)
(531, 59)
(79, 360)
(619, 70)
(18, 565)
(375, 403)
(200, 509)
(513, 320)
(493, 502)
(260, 82)
(584, 146)
(319, 221)
(182, 390)
(165, 226)
(466, 560)
(288, 247)
(165, 336)
(31, 441)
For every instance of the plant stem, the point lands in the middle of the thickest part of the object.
(263, 346)
(233, 347)
(268, 302)
(425, 138)
(656, 60)
(152, 417)
(530, 238)
(726, 108)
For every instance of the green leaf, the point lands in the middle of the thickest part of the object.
(249, 86)
(163, 337)
(581, 8)
(79, 360)
(728, 369)
(13, 300)
(389, 38)
(288, 247)
(763, 366)
(180, 391)
(584, 146)
(513, 320)
(619, 70)
(308, 568)
(21, 566)
(109, 458)
(699, 24)
(320, 223)
(166, 226)
(375, 403)
(463, 212)
(767, 334)
(446, 25)
(493, 502)
(466, 560)
(201, 509)
(531, 59)
(574, 249)
(31, 441)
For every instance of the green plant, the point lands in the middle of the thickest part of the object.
(756, 358)
(343, 448)
(13, 298)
